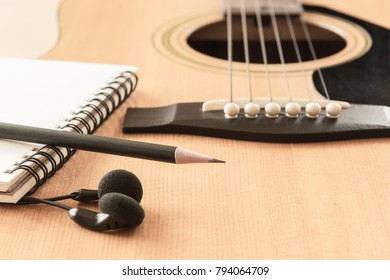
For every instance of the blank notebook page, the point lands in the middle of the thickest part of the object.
(43, 93)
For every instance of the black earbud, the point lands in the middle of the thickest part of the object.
(119, 194)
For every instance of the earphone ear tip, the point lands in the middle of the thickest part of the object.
(121, 181)
(124, 209)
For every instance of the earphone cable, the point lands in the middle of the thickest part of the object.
(35, 200)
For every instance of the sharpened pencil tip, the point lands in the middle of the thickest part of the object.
(186, 156)
(217, 160)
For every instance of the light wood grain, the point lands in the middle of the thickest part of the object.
(269, 201)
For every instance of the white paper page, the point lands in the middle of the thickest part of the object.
(42, 93)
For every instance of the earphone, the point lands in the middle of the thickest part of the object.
(119, 194)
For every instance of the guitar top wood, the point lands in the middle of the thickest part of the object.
(323, 200)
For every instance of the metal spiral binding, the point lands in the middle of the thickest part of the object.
(85, 120)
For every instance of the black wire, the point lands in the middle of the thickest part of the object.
(56, 198)
(35, 200)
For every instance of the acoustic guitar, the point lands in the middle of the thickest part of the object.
(287, 189)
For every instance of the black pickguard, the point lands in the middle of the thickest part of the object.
(365, 80)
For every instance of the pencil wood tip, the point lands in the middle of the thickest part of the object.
(186, 156)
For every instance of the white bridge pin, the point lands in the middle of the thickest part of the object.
(272, 110)
(333, 110)
(231, 110)
(251, 110)
(313, 110)
(292, 110)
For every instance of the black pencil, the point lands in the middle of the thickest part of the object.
(100, 144)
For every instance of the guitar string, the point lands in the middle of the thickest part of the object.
(297, 53)
(260, 30)
(263, 48)
(246, 47)
(314, 56)
(279, 45)
(230, 48)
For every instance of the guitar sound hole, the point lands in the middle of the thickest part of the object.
(212, 41)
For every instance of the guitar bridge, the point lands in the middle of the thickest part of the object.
(359, 121)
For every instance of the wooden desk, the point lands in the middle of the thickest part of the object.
(269, 201)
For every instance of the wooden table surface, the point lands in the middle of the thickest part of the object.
(269, 201)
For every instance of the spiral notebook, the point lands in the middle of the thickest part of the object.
(73, 96)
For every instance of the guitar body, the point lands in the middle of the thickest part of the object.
(353, 70)
(327, 200)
